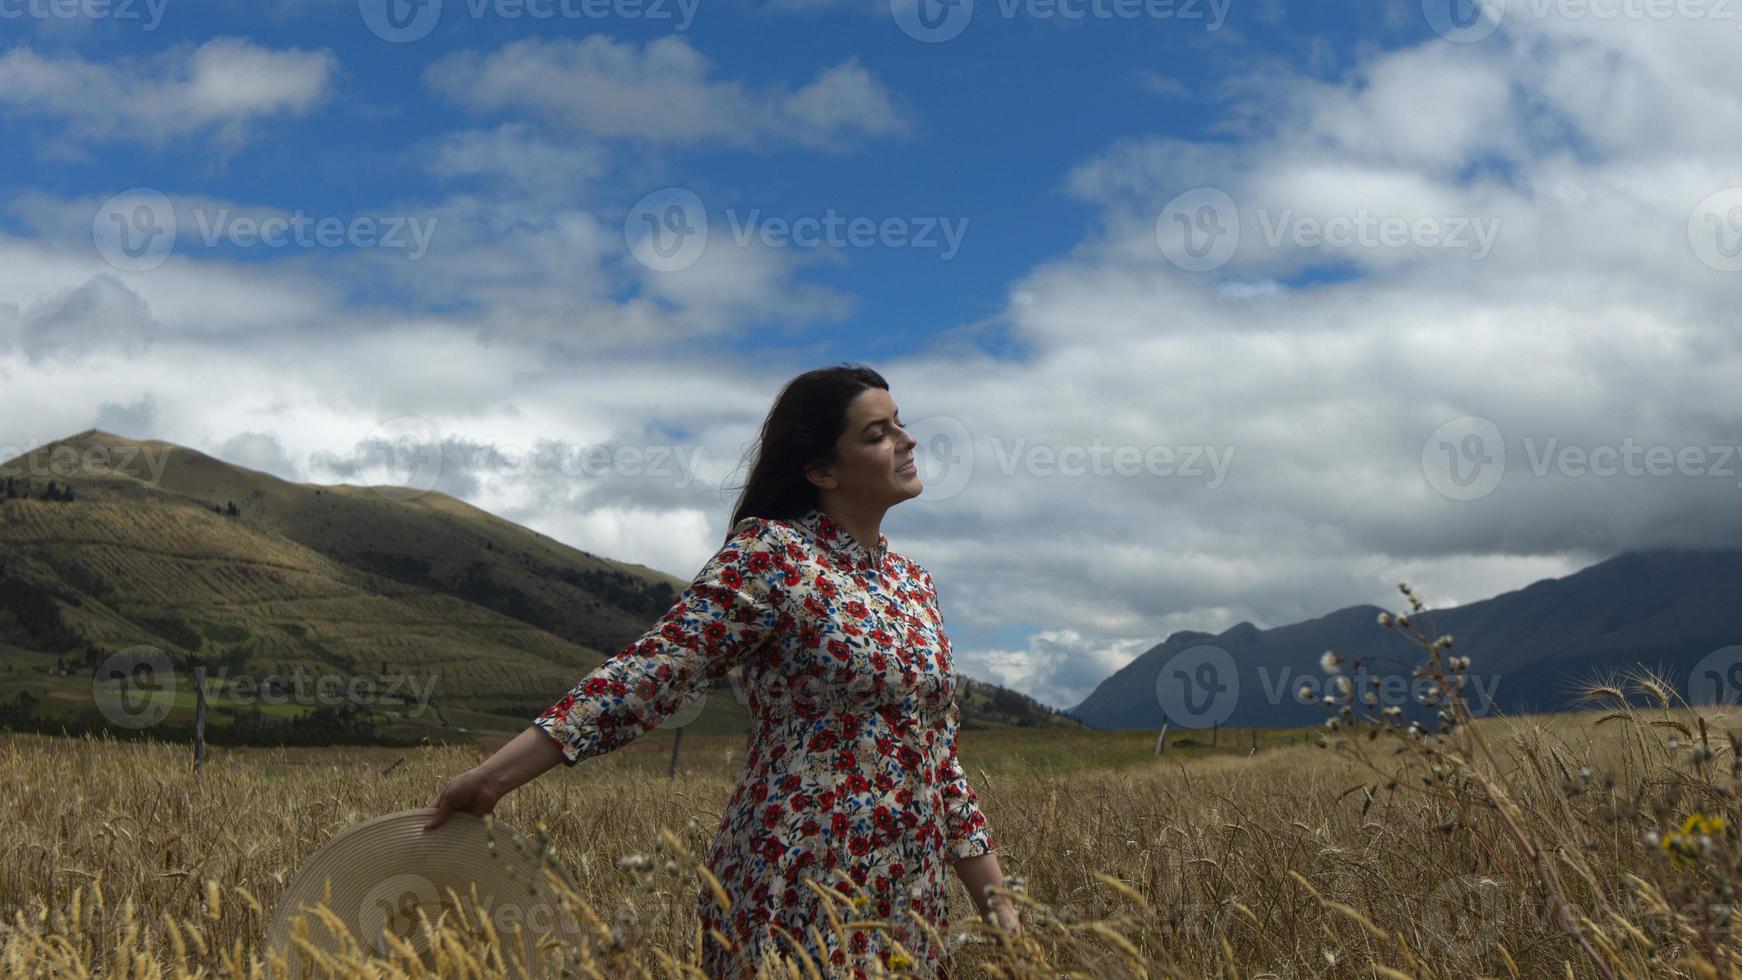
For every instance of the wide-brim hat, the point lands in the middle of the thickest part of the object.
(378, 875)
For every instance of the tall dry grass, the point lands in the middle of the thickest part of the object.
(1601, 844)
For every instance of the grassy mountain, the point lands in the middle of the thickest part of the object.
(991, 706)
(472, 623)
(1531, 649)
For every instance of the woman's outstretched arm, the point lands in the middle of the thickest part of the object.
(731, 608)
(734, 607)
(977, 873)
(478, 790)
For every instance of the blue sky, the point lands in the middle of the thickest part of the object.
(989, 123)
(1348, 258)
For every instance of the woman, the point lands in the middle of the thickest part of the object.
(851, 779)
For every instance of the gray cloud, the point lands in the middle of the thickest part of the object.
(259, 451)
(664, 92)
(135, 420)
(1595, 321)
(101, 316)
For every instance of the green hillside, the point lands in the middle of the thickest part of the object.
(453, 623)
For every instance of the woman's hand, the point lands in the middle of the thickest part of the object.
(479, 789)
(980, 873)
(472, 791)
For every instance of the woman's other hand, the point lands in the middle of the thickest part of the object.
(472, 791)
(479, 789)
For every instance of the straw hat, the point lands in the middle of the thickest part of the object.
(376, 876)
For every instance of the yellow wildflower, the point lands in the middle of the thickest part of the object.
(1683, 846)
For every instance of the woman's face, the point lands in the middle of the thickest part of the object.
(874, 455)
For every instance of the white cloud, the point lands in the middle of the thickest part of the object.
(748, 280)
(1059, 667)
(202, 296)
(664, 92)
(1591, 322)
(513, 269)
(222, 89)
(534, 167)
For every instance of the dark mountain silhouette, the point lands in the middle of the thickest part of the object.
(1531, 649)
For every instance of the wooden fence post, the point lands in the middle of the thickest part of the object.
(199, 717)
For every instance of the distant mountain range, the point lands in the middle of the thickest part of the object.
(1530, 649)
(164, 546)
(168, 547)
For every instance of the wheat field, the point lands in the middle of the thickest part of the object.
(1597, 844)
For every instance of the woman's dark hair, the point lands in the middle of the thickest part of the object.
(801, 431)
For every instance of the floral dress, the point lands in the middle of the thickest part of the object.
(850, 780)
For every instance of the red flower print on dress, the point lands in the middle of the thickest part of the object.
(851, 779)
